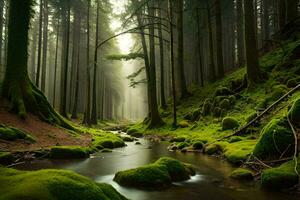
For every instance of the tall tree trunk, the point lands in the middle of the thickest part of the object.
(94, 117)
(219, 43)
(183, 92)
(45, 45)
(56, 62)
(162, 59)
(33, 52)
(291, 10)
(17, 87)
(1, 32)
(155, 119)
(63, 95)
(240, 33)
(253, 71)
(172, 63)
(281, 10)
(76, 95)
(211, 65)
(266, 20)
(199, 47)
(87, 115)
(37, 80)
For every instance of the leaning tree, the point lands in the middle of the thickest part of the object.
(17, 88)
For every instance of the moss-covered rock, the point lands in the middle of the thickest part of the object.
(196, 115)
(134, 133)
(206, 108)
(183, 124)
(198, 145)
(157, 175)
(6, 158)
(225, 104)
(217, 112)
(276, 140)
(213, 149)
(280, 177)
(67, 152)
(277, 92)
(251, 117)
(241, 174)
(234, 139)
(128, 139)
(222, 91)
(178, 139)
(232, 99)
(291, 83)
(229, 123)
(294, 113)
(52, 185)
(12, 134)
(182, 145)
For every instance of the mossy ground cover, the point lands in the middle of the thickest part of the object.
(157, 175)
(243, 105)
(12, 134)
(52, 185)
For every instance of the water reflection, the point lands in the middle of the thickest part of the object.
(211, 181)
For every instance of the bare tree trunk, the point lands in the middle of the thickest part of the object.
(37, 81)
(219, 44)
(162, 58)
(45, 45)
(183, 92)
(1, 32)
(94, 99)
(76, 95)
(212, 71)
(291, 10)
(281, 13)
(172, 63)
(240, 33)
(266, 20)
(253, 71)
(199, 47)
(55, 65)
(63, 109)
(33, 52)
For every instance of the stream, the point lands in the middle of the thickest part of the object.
(210, 183)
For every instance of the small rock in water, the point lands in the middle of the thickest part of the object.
(137, 143)
(106, 151)
(149, 147)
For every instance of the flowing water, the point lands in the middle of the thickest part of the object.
(210, 183)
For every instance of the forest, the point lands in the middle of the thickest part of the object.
(149, 99)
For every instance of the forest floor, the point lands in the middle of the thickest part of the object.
(44, 134)
(282, 67)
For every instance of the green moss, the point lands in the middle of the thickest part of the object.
(294, 112)
(280, 177)
(178, 139)
(64, 152)
(206, 108)
(241, 174)
(229, 123)
(128, 139)
(108, 140)
(251, 117)
(234, 139)
(291, 83)
(12, 134)
(196, 115)
(134, 133)
(182, 145)
(6, 158)
(217, 112)
(225, 104)
(232, 99)
(198, 145)
(277, 92)
(213, 149)
(276, 140)
(183, 124)
(158, 175)
(222, 91)
(52, 185)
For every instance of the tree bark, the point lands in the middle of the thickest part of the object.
(56, 63)
(199, 47)
(94, 99)
(211, 65)
(37, 81)
(1, 32)
(253, 71)
(219, 44)
(291, 10)
(281, 10)
(183, 92)
(266, 20)
(45, 44)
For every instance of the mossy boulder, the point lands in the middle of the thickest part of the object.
(225, 104)
(52, 185)
(241, 174)
(198, 145)
(229, 123)
(213, 149)
(294, 113)
(277, 92)
(182, 145)
(217, 112)
(222, 91)
(12, 134)
(206, 108)
(134, 133)
(6, 158)
(234, 139)
(183, 124)
(232, 99)
(291, 83)
(276, 140)
(196, 115)
(128, 139)
(251, 117)
(157, 175)
(178, 139)
(280, 177)
(69, 152)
